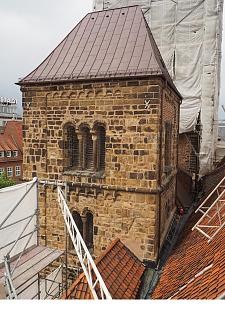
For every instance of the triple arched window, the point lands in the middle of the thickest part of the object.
(84, 150)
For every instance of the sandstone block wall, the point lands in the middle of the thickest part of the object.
(125, 199)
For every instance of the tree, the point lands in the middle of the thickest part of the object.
(6, 182)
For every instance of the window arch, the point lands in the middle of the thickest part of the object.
(87, 160)
(89, 229)
(100, 132)
(79, 223)
(71, 147)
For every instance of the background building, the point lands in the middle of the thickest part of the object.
(11, 151)
(8, 111)
(189, 36)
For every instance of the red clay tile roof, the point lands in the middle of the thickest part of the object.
(116, 43)
(196, 268)
(121, 271)
(11, 138)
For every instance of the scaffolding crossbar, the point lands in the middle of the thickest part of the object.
(213, 210)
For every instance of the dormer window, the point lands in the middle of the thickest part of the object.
(8, 154)
(15, 153)
(2, 154)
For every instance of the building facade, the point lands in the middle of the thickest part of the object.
(8, 111)
(11, 152)
(108, 130)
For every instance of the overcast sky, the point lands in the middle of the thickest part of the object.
(31, 29)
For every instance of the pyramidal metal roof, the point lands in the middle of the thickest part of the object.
(114, 43)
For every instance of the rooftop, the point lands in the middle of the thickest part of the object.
(11, 138)
(121, 271)
(195, 268)
(114, 43)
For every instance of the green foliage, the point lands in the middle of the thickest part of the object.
(6, 182)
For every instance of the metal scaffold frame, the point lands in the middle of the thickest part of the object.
(212, 208)
(12, 262)
(16, 265)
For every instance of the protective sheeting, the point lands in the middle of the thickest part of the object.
(14, 224)
(189, 35)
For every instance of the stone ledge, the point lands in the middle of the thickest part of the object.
(93, 174)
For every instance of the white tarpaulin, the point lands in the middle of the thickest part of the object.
(188, 34)
(12, 226)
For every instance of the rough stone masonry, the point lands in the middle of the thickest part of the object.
(135, 197)
(104, 93)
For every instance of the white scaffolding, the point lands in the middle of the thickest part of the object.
(213, 210)
(24, 260)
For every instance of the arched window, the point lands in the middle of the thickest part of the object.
(89, 230)
(71, 148)
(87, 149)
(100, 148)
(78, 221)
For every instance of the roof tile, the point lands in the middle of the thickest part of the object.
(122, 283)
(192, 256)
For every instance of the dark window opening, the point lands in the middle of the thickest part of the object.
(88, 163)
(101, 149)
(168, 145)
(89, 230)
(72, 148)
(78, 221)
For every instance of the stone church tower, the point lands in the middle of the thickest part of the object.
(101, 113)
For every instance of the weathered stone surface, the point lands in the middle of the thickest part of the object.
(125, 199)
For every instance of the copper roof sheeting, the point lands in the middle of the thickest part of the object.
(121, 271)
(115, 43)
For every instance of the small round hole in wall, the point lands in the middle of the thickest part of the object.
(123, 13)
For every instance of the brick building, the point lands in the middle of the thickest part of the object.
(11, 150)
(102, 114)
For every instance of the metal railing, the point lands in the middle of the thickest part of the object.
(94, 279)
(213, 218)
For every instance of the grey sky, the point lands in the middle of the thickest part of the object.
(31, 29)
